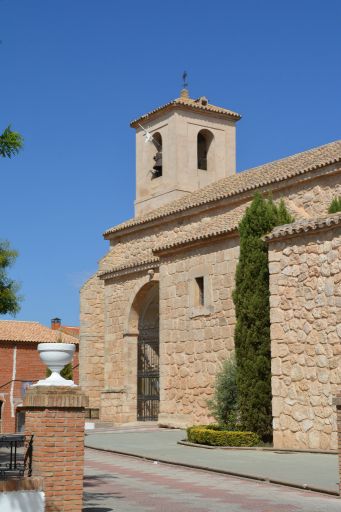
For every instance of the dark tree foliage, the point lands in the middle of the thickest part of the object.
(67, 372)
(10, 143)
(9, 300)
(335, 205)
(251, 299)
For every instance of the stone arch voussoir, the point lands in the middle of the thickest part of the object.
(137, 299)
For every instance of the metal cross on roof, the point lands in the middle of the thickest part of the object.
(184, 78)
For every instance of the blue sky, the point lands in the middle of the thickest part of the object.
(74, 73)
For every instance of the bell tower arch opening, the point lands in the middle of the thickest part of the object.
(205, 150)
(157, 157)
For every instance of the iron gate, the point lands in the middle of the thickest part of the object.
(148, 395)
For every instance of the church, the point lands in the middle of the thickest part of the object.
(157, 318)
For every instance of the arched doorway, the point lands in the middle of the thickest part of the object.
(148, 348)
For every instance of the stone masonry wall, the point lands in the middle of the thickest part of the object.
(91, 348)
(194, 340)
(124, 299)
(305, 287)
(106, 360)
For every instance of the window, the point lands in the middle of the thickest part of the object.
(204, 143)
(199, 292)
(157, 167)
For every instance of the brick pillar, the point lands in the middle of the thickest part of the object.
(337, 402)
(55, 416)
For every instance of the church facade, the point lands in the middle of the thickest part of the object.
(157, 318)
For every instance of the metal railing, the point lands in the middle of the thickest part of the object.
(15, 456)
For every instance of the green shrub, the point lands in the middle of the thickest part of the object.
(213, 435)
(223, 406)
(335, 205)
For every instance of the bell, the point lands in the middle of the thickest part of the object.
(158, 160)
(157, 167)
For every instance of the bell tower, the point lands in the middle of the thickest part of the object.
(181, 147)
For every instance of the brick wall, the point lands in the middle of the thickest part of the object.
(55, 417)
(29, 368)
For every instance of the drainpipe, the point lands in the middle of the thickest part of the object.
(14, 372)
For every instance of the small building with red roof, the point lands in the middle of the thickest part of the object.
(20, 364)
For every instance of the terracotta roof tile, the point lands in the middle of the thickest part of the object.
(71, 331)
(195, 238)
(137, 263)
(276, 171)
(303, 226)
(188, 104)
(15, 330)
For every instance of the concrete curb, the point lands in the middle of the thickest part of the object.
(221, 471)
(256, 448)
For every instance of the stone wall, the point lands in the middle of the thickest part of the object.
(195, 339)
(305, 287)
(108, 343)
(125, 298)
(91, 347)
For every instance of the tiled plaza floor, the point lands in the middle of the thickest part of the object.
(116, 483)
(315, 470)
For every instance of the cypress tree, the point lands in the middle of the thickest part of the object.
(251, 299)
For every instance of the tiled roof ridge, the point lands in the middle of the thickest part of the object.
(189, 103)
(22, 321)
(220, 189)
(304, 226)
(31, 332)
(195, 238)
(108, 272)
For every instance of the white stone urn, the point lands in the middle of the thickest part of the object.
(56, 356)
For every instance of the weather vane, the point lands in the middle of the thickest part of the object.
(184, 78)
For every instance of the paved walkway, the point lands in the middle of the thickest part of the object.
(316, 471)
(116, 483)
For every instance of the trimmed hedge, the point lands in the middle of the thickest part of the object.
(213, 435)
